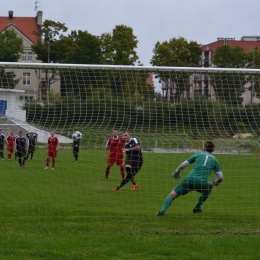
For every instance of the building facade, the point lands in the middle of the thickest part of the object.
(31, 81)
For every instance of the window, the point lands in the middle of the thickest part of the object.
(26, 78)
(27, 56)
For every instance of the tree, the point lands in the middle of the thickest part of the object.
(48, 44)
(118, 47)
(11, 46)
(230, 57)
(177, 52)
(229, 86)
(7, 79)
(87, 48)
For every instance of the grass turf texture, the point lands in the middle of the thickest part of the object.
(71, 213)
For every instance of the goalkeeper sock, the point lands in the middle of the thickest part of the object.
(167, 203)
(203, 197)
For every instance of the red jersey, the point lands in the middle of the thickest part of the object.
(115, 144)
(53, 143)
(10, 141)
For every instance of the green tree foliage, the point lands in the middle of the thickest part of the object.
(11, 46)
(118, 47)
(87, 48)
(198, 117)
(230, 57)
(229, 86)
(48, 48)
(7, 79)
(177, 52)
(80, 47)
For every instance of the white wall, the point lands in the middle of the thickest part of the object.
(14, 106)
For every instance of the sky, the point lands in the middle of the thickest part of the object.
(202, 21)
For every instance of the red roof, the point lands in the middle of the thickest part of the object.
(246, 45)
(26, 25)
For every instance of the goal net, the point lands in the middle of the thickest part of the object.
(171, 111)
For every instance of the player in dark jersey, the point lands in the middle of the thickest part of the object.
(2, 145)
(32, 137)
(197, 179)
(133, 162)
(75, 149)
(21, 148)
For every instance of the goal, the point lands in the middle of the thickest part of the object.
(172, 111)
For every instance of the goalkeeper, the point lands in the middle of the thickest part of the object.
(197, 179)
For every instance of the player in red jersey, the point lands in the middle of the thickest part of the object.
(10, 145)
(115, 145)
(52, 148)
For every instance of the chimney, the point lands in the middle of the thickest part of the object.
(11, 14)
(39, 18)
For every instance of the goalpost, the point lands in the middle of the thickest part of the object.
(172, 111)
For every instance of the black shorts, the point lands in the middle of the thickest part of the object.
(75, 149)
(135, 165)
(1, 147)
(21, 153)
(31, 149)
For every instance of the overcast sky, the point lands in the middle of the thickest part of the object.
(152, 20)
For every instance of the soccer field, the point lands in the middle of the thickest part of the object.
(72, 213)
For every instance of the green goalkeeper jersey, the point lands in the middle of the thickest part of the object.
(205, 163)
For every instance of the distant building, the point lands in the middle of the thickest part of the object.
(246, 43)
(32, 84)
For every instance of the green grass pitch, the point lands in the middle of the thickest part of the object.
(72, 213)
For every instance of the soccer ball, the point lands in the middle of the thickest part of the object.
(77, 135)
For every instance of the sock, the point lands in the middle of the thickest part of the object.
(9, 156)
(122, 171)
(129, 177)
(20, 161)
(167, 203)
(123, 183)
(2, 154)
(203, 197)
(47, 162)
(53, 162)
(107, 171)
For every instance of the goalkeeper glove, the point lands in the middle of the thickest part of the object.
(176, 175)
(215, 182)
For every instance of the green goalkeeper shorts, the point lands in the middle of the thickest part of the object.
(186, 186)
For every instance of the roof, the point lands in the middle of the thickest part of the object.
(26, 25)
(245, 45)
